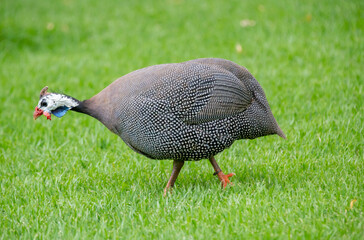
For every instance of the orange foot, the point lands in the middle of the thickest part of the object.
(224, 179)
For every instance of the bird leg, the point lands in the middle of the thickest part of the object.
(224, 179)
(177, 165)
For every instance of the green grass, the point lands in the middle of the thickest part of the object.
(72, 178)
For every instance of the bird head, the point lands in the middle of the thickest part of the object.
(53, 103)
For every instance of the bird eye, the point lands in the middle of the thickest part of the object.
(43, 104)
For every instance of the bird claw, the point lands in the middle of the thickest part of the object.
(224, 179)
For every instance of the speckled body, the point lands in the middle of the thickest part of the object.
(185, 111)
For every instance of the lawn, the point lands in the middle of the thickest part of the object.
(71, 178)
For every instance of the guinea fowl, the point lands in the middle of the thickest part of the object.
(182, 111)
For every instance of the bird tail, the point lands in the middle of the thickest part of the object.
(280, 133)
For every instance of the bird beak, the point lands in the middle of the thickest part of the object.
(39, 112)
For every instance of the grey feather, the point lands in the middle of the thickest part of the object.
(184, 111)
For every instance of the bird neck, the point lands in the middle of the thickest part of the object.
(87, 107)
(96, 108)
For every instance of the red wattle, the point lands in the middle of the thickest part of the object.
(47, 114)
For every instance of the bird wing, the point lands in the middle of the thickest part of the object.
(196, 91)
(210, 93)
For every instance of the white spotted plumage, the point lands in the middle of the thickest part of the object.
(182, 111)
